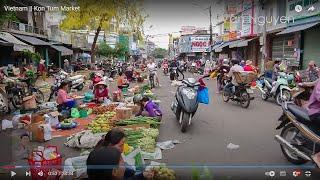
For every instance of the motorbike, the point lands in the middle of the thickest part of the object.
(174, 75)
(52, 69)
(152, 79)
(76, 82)
(192, 68)
(278, 89)
(241, 94)
(185, 103)
(165, 69)
(17, 89)
(300, 137)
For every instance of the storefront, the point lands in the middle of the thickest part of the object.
(311, 46)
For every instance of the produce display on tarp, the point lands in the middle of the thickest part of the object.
(102, 123)
(153, 122)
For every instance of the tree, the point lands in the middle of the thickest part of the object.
(159, 53)
(120, 50)
(6, 15)
(98, 15)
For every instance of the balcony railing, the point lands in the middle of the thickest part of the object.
(22, 28)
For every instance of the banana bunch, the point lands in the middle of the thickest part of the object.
(102, 122)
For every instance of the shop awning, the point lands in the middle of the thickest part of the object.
(219, 49)
(64, 51)
(234, 43)
(17, 44)
(298, 28)
(241, 43)
(32, 40)
(5, 43)
(216, 46)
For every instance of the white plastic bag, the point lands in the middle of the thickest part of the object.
(84, 139)
(77, 165)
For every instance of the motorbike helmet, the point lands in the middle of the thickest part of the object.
(137, 98)
(225, 62)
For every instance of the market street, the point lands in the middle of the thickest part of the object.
(218, 124)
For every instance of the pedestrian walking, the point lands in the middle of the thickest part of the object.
(42, 69)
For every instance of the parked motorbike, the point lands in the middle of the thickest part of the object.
(185, 103)
(76, 82)
(241, 94)
(165, 69)
(278, 89)
(17, 89)
(300, 137)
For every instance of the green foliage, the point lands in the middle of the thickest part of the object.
(120, 50)
(159, 53)
(35, 57)
(100, 14)
(6, 15)
(204, 175)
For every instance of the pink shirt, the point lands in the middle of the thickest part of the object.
(63, 96)
(313, 105)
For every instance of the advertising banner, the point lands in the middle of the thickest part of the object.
(247, 18)
(200, 43)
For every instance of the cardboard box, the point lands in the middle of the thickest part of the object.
(123, 113)
(135, 108)
(36, 132)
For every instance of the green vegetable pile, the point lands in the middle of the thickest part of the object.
(161, 173)
(145, 138)
(139, 120)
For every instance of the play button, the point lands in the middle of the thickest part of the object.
(13, 173)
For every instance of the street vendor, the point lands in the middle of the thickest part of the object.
(101, 91)
(63, 99)
(122, 81)
(148, 107)
(110, 157)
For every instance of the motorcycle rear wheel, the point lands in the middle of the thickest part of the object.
(244, 99)
(291, 157)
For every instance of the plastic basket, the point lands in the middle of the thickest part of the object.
(83, 113)
(44, 166)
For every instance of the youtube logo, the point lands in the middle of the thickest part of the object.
(296, 173)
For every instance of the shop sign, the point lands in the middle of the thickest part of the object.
(225, 37)
(200, 43)
(247, 18)
(232, 35)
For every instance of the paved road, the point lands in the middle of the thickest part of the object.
(214, 127)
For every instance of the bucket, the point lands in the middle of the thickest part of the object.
(29, 102)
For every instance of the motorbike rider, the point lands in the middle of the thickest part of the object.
(66, 66)
(312, 71)
(235, 68)
(276, 69)
(152, 67)
(313, 108)
(223, 70)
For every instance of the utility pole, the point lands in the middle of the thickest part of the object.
(210, 34)
(264, 36)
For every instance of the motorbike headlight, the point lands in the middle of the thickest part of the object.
(191, 94)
